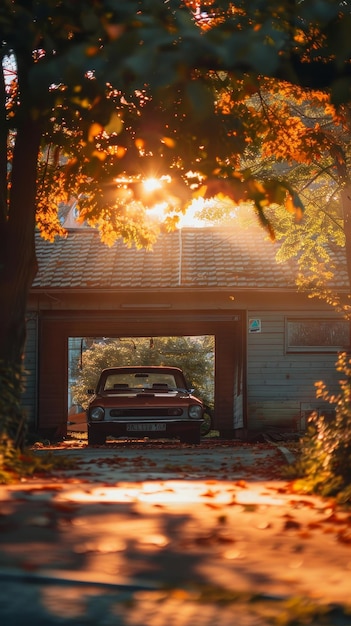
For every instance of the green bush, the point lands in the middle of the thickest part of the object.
(12, 416)
(324, 466)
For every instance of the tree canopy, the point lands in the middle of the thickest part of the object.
(194, 355)
(301, 138)
(129, 89)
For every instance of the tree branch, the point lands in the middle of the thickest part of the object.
(3, 152)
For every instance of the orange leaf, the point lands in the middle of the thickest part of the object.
(94, 130)
(208, 494)
(241, 483)
(344, 536)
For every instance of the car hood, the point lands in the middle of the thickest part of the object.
(145, 397)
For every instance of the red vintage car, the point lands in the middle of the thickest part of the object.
(152, 401)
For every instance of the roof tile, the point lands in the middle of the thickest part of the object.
(213, 257)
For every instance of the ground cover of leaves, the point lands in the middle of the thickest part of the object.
(211, 534)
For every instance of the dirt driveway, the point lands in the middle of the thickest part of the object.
(148, 534)
(123, 460)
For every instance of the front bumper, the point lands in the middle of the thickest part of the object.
(143, 428)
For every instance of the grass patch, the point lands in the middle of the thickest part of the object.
(266, 609)
(17, 464)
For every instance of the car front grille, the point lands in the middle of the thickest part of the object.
(147, 412)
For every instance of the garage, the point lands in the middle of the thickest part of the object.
(271, 342)
(56, 328)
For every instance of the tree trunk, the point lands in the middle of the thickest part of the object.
(17, 270)
(346, 206)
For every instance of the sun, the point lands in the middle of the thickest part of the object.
(152, 184)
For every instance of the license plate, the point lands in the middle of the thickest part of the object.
(151, 427)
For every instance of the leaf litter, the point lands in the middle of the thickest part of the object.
(226, 534)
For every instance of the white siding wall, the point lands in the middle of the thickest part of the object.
(29, 397)
(280, 386)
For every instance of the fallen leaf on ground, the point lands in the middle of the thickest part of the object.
(291, 525)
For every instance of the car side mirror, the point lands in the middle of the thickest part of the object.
(90, 392)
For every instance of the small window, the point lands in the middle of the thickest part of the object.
(317, 335)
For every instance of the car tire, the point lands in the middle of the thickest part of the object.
(95, 437)
(207, 424)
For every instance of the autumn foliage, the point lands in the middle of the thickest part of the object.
(325, 461)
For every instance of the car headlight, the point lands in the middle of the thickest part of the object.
(195, 411)
(97, 413)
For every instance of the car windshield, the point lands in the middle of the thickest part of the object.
(142, 380)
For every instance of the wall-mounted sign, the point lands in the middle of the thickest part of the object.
(254, 326)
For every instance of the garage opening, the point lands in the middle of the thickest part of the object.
(87, 356)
